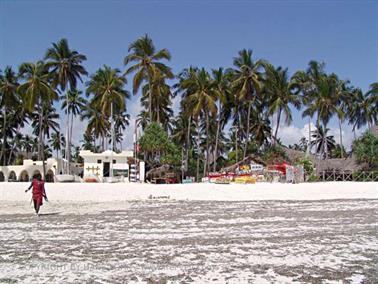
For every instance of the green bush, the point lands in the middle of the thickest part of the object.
(309, 169)
(366, 150)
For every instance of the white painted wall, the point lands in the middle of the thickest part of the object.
(32, 167)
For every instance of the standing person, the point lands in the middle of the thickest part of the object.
(38, 192)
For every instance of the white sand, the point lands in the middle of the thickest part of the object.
(84, 192)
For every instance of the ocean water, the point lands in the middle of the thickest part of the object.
(331, 241)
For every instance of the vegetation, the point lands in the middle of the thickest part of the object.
(366, 149)
(308, 168)
(224, 114)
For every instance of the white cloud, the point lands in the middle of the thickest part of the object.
(292, 134)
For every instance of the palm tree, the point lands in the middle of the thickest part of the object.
(76, 104)
(109, 95)
(324, 102)
(260, 127)
(344, 94)
(36, 92)
(27, 145)
(183, 126)
(8, 99)
(49, 121)
(88, 140)
(363, 110)
(202, 102)
(186, 112)
(247, 84)
(307, 81)
(66, 68)
(281, 94)
(97, 124)
(121, 121)
(16, 146)
(161, 100)
(222, 84)
(372, 98)
(57, 141)
(322, 141)
(65, 65)
(147, 65)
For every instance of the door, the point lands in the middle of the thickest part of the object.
(106, 170)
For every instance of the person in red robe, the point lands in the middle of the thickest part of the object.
(38, 192)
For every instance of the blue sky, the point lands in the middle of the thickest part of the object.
(343, 34)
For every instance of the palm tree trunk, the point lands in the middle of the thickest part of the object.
(326, 142)
(68, 140)
(150, 97)
(198, 150)
(278, 125)
(341, 138)
(40, 133)
(13, 147)
(4, 137)
(216, 145)
(182, 165)
(112, 137)
(236, 141)
(71, 127)
(206, 166)
(309, 136)
(188, 143)
(247, 132)
(41, 138)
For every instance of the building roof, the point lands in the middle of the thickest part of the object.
(107, 153)
(345, 164)
(246, 160)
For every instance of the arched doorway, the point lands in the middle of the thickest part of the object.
(2, 178)
(37, 174)
(24, 176)
(12, 176)
(50, 176)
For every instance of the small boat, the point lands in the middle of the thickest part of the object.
(112, 179)
(65, 178)
(91, 178)
(222, 181)
(245, 180)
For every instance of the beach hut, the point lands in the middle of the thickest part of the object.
(109, 166)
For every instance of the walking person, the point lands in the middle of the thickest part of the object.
(38, 192)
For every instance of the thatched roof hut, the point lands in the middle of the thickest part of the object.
(345, 164)
(246, 160)
(294, 155)
(159, 172)
(340, 164)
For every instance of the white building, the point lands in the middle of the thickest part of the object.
(101, 164)
(29, 168)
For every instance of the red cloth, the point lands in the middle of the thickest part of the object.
(38, 191)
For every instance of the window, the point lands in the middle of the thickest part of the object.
(114, 161)
(99, 161)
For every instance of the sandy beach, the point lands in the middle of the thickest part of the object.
(109, 234)
(102, 192)
(81, 197)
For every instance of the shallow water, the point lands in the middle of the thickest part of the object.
(333, 241)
